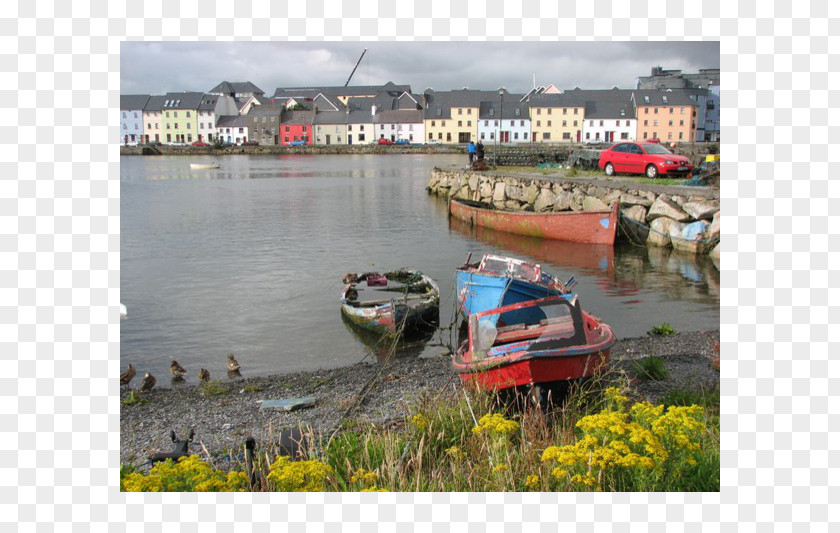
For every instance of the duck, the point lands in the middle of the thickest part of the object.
(232, 363)
(204, 375)
(128, 375)
(177, 370)
(148, 382)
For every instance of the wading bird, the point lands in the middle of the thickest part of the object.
(232, 363)
(128, 375)
(148, 382)
(177, 370)
(204, 375)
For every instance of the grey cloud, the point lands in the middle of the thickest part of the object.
(158, 67)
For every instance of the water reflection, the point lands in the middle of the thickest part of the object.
(410, 345)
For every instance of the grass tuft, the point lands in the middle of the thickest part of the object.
(652, 368)
(662, 329)
(213, 388)
(135, 399)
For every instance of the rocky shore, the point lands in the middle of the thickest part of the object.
(383, 394)
(684, 218)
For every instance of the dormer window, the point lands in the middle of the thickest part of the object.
(622, 112)
(647, 99)
(438, 111)
(516, 111)
(665, 99)
(492, 111)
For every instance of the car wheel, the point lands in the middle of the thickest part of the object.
(609, 169)
(651, 171)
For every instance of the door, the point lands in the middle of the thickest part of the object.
(578, 135)
(635, 159)
(350, 139)
(463, 137)
(534, 137)
(328, 139)
(619, 157)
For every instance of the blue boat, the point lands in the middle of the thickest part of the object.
(498, 281)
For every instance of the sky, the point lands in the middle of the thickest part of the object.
(160, 67)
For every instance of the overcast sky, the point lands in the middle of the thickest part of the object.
(159, 67)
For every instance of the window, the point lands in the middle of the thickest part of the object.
(656, 123)
(549, 123)
(549, 110)
(349, 127)
(460, 123)
(576, 123)
(492, 135)
(175, 114)
(431, 136)
(587, 135)
(167, 125)
(188, 114)
(495, 123)
(124, 116)
(469, 111)
(482, 135)
(263, 120)
(567, 135)
(682, 123)
(241, 130)
(591, 122)
(670, 135)
(272, 119)
(460, 111)
(670, 122)
(381, 126)
(600, 122)
(362, 136)
(189, 137)
(125, 127)
(618, 123)
(167, 114)
(176, 125)
(597, 135)
(647, 99)
(448, 137)
(547, 136)
(521, 122)
(149, 126)
(487, 122)
(647, 110)
(288, 129)
(440, 136)
(622, 112)
(665, 99)
(538, 124)
(576, 111)
(201, 125)
(655, 110)
(628, 123)
(709, 105)
(157, 125)
(516, 135)
(189, 126)
(469, 123)
(565, 109)
(625, 135)
(168, 137)
(681, 134)
(646, 122)
(442, 123)
(671, 110)
(645, 135)
(433, 125)
(539, 111)
(492, 112)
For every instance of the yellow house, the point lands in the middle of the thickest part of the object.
(452, 116)
(556, 118)
(152, 114)
(179, 120)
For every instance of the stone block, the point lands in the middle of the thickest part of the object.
(545, 200)
(663, 207)
(590, 203)
(660, 232)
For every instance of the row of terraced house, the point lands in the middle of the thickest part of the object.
(239, 112)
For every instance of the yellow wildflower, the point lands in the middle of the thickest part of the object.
(500, 468)
(532, 481)
(455, 453)
(420, 422)
(188, 474)
(373, 488)
(298, 476)
(366, 477)
(496, 424)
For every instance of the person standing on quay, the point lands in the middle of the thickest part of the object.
(471, 151)
(479, 148)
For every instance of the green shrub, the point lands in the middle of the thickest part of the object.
(213, 388)
(134, 399)
(663, 329)
(652, 368)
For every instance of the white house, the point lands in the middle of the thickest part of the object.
(609, 116)
(232, 129)
(131, 117)
(508, 121)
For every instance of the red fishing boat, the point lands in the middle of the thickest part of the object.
(533, 343)
(594, 227)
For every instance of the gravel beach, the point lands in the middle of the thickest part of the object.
(223, 421)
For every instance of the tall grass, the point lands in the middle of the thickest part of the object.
(438, 448)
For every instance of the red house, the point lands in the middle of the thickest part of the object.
(296, 126)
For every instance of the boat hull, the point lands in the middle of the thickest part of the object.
(593, 227)
(536, 371)
(203, 166)
(480, 291)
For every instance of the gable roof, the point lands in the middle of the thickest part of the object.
(232, 121)
(662, 98)
(231, 88)
(133, 101)
(184, 100)
(155, 104)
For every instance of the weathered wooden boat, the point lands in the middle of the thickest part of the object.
(203, 166)
(498, 281)
(392, 303)
(533, 343)
(595, 227)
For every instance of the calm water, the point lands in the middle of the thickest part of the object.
(249, 259)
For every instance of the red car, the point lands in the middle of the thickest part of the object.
(643, 158)
(383, 140)
(200, 143)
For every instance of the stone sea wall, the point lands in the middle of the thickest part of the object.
(685, 218)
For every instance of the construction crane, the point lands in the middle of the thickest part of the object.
(354, 68)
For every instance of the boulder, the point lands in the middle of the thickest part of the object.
(650, 195)
(486, 190)
(513, 204)
(590, 203)
(611, 196)
(629, 199)
(499, 192)
(563, 201)
(473, 182)
(635, 212)
(714, 228)
(660, 232)
(545, 200)
(531, 193)
(700, 210)
(557, 188)
(596, 191)
(576, 201)
(677, 199)
(664, 207)
(715, 255)
(692, 238)
(463, 192)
